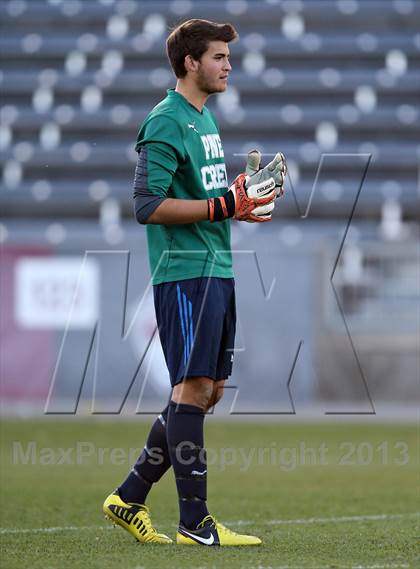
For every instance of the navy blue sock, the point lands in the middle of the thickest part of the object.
(185, 442)
(151, 465)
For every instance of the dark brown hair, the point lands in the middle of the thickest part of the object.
(192, 38)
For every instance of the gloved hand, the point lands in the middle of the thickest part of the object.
(253, 201)
(243, 201)
(276, 169)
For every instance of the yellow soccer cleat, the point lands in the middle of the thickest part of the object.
(211, 532)
(134, 518)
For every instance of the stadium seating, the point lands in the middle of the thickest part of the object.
(310, 78)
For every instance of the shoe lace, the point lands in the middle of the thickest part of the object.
(208, 518)
(214, 523)
(147, 521)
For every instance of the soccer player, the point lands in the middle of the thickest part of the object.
(182, 194)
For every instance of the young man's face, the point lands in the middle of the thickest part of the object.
(214, 68)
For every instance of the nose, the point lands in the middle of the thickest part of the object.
(227, 65)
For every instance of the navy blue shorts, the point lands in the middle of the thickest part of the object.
(197, 322)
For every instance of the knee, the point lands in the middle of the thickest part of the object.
(194, 391)
(216, 395)
(203, 396)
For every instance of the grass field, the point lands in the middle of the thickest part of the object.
(320, 496)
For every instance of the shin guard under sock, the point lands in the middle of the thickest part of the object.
(151, 465)
(185, 443)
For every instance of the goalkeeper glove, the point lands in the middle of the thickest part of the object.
(276, 169)
(243, 201)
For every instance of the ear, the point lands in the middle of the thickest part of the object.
(190, 63)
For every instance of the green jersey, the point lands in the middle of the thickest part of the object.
(183, 158)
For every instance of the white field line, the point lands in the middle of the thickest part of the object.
(376, 566)
(377, 517)
(305, 521)
(401, 565)
(52, 530)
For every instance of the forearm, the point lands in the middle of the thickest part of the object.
(175, 211)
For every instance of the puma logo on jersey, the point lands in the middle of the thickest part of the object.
(192, 125)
